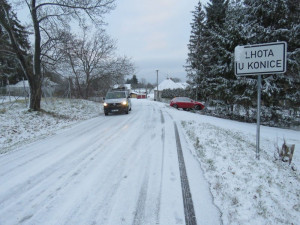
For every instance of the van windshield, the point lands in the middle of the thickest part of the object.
(113, 95)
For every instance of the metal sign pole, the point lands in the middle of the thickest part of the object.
(258, 115)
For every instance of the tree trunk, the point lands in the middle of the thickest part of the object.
(36, 81)
(35, 98)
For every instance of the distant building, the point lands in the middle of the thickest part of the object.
(22, 88)
(139, 93)
(167, 84)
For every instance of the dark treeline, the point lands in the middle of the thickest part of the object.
(221, 26)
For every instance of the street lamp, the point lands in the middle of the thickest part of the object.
(157, 85)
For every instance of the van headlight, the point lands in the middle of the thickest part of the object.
(104, 104)
(124, 103)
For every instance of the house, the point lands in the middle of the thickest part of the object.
(19, 89)
(139, 93)
(133, 94)
(142, 96)
(22, 88)
(167, 84)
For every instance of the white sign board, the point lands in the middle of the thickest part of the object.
(268, 58)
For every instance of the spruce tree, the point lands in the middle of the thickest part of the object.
(219, 72)
(273, 21)
(197, 62)
(195, 46)
(216, 13)
(9, 64)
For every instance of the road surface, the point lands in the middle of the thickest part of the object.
(132, 169)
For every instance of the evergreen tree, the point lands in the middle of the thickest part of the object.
(294, 37)
(197, 62)
(226, 25)
(273, 21)
(9, 64)
(219, 76)
(196, 51)
(133, 81)
(216, 13)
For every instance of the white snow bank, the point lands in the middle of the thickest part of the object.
(18, 126)
(247, 190)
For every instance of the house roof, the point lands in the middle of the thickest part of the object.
(169, 84)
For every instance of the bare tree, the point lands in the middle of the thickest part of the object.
(90, 60)
(47, 16)
(116, 69)
(111, 72)
(85, 57)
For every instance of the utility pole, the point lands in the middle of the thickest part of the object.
(156, 85)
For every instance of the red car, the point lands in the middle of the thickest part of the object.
(186, 103)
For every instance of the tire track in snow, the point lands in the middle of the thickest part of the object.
(189, 212)
(139, 216)
(79, 163)
(35, 193)
(89, 125)
(9, 163)
(101, 206)
(79, 205)
(163, 136)
(140, 207)
(96, 202)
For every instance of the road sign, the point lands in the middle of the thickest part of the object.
(268, 58)
(259, 59)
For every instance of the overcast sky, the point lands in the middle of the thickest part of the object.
(154, 34)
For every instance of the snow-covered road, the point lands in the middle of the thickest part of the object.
(120, 169)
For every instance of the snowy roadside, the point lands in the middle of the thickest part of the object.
(19, 127)
(246, 190)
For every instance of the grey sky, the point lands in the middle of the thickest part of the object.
(154, 33)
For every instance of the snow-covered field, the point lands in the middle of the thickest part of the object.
(19, 127)
(246, 190)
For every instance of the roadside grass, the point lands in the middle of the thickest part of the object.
(247, 190)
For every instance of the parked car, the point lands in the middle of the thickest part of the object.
(186, 103)
(117, 101)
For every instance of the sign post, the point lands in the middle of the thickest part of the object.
(258, 115)
(259, 59)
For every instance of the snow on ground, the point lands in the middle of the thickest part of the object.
(246, 190)
(19, 127)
